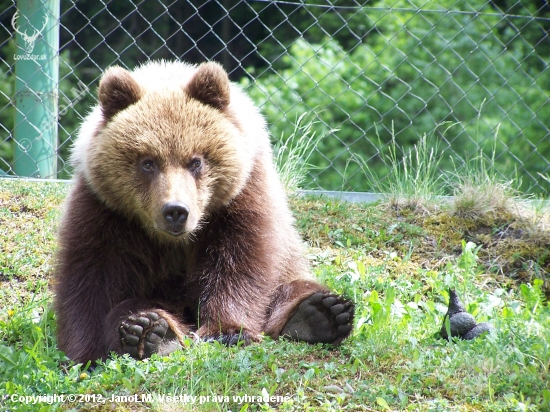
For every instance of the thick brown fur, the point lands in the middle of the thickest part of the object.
(117, 91)
(233, 267)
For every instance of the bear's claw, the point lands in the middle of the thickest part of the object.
(145, 333)
(321, 318)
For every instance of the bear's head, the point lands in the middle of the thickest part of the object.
(167, 156)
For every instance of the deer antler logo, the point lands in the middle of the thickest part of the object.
(29, 40)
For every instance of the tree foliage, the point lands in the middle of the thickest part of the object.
(415, 72)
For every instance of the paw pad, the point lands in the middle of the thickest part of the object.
(321, 318)
(142, 333)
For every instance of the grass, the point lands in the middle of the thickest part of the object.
(413, 180)
(292, 153)
(397, 264)
(479, 189)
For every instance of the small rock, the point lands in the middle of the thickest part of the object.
(348, 388)
(333, 389)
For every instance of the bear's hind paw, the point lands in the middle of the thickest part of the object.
(145, 333)
(321, 318)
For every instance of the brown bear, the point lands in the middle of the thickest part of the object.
(177, 224)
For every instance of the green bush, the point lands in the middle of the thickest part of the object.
(414, 72)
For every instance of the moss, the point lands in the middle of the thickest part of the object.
(513, 250)
(508, 247)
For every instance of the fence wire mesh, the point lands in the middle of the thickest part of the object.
(472, 75)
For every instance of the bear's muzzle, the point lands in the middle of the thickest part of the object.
(175, 215)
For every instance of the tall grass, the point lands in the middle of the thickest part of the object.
(414, 179)
(478, 188)
(292, 153)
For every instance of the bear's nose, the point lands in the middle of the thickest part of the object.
(175, 213)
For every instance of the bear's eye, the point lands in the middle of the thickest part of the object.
(148, 165)
(195, 165)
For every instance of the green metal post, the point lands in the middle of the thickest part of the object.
(36, 24)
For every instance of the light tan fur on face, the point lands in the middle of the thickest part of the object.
(172, 139)
(160, 77)
(170, 128)
(175, 185)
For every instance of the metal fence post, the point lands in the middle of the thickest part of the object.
(36, 23)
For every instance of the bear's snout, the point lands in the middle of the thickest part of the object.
(175, 215)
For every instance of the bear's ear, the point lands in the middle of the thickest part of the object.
(210, 85)
(117, 91)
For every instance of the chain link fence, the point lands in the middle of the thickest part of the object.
(471, 75)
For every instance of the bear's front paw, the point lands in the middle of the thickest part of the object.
(321, 318)
(231, 336)
(145, 333)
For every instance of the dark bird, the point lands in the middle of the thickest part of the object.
(461, 323)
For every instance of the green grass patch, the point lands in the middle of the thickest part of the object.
(397, 264)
